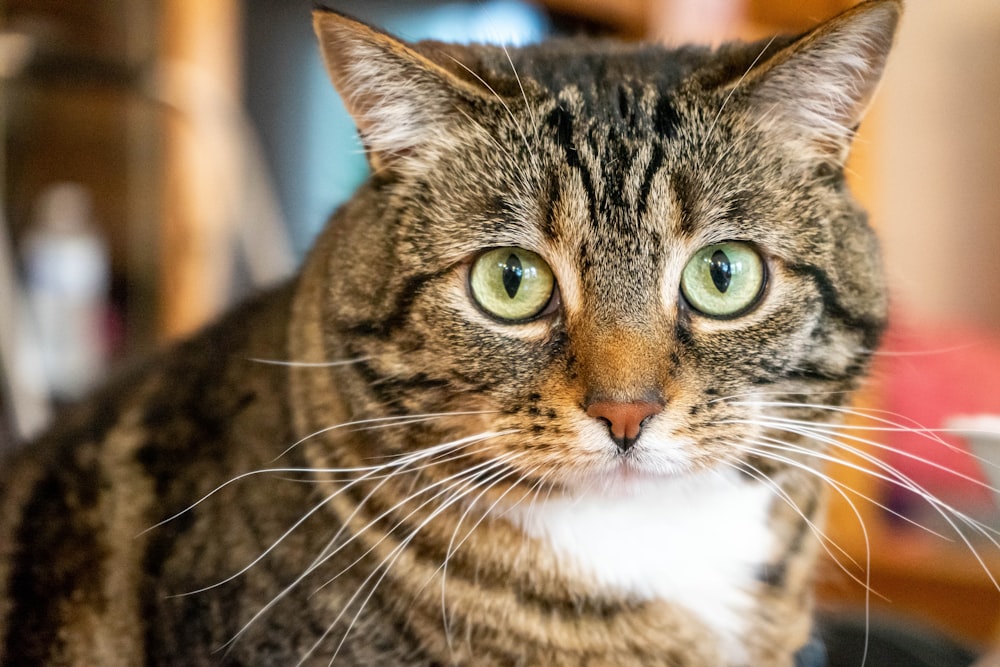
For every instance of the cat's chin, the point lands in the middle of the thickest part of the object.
(628, 478)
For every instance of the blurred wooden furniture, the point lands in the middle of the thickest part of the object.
(201, 79)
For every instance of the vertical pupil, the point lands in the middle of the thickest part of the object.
(720, 269)
(512, 273)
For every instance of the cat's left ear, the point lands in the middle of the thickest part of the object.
(817, 89)
(400, 100)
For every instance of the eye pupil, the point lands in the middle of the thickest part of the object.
(724, 280)
(512, 274)
(512, 285)
(721, 271)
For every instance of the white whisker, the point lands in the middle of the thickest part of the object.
(510, 114)
(309, 364)
(319, 561)
(398, 420)
(383, 568)
(885, 472)
(841, 489)
(453, 546)
(732, 91)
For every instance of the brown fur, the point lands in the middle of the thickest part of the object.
(613, 162)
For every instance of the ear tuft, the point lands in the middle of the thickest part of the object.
(821, 85)
(398, 98)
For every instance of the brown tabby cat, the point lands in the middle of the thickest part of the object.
(541, 394)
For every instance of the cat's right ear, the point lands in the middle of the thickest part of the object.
(400, 100)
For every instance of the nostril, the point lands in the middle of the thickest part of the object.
(625, 420)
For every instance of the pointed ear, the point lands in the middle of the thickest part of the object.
(399, 99)
(817, 89)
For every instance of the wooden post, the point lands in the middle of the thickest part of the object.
(200, 79)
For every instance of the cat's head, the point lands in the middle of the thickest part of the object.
(622, 260)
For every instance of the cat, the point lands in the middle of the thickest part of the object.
(540, 394)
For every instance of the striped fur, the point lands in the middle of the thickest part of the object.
(364, 467)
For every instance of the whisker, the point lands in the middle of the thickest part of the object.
(451, 481)
(510, 114)
(319, 561)
(309, 364)
(780, 445)
(453, 546)
(873, 414)
(831, 436)
(725, 102)
(839, 488)
(400, 461)
(825, 540)
(394, 554)
(325, 552)
(400, 420)
(946, 511)
(274, 545)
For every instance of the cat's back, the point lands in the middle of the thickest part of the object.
(78, 572)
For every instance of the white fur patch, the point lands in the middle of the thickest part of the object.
(695, 542)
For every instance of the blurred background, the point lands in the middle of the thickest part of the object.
(161, 159)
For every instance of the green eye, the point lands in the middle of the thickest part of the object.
(511, 284)
(723, 280)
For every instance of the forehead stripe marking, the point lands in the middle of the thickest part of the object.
(561, 120)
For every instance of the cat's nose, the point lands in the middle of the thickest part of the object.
(624, 420)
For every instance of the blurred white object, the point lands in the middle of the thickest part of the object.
(67, 282)
(982, 432)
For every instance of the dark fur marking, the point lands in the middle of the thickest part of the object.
(773, 575)
(871, 329)
(389, 390)
(665, 118)
(38, 587)
(801, 529)
(682, 187)
(549, 224)
(655, 162)
(624, 103)
(384, 327)
(562, 121)
(682, 332)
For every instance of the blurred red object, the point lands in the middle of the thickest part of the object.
(929, 375)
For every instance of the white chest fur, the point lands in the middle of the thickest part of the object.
(696, 543)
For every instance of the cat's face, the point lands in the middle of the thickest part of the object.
(618, 274)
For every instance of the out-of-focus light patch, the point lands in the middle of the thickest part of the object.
(498, 22)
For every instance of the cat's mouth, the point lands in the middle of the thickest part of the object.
(630, 472)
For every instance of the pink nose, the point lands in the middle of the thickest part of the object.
(624, 420)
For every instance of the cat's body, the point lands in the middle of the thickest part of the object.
(592, 469)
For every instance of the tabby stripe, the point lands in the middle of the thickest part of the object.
(37, 588)
(665, 118)
(465, 564)
(652, 167)
(774, 575)
(561, 120)
(382, 328)
(870, 328)
(682, 187)
(389, 390)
